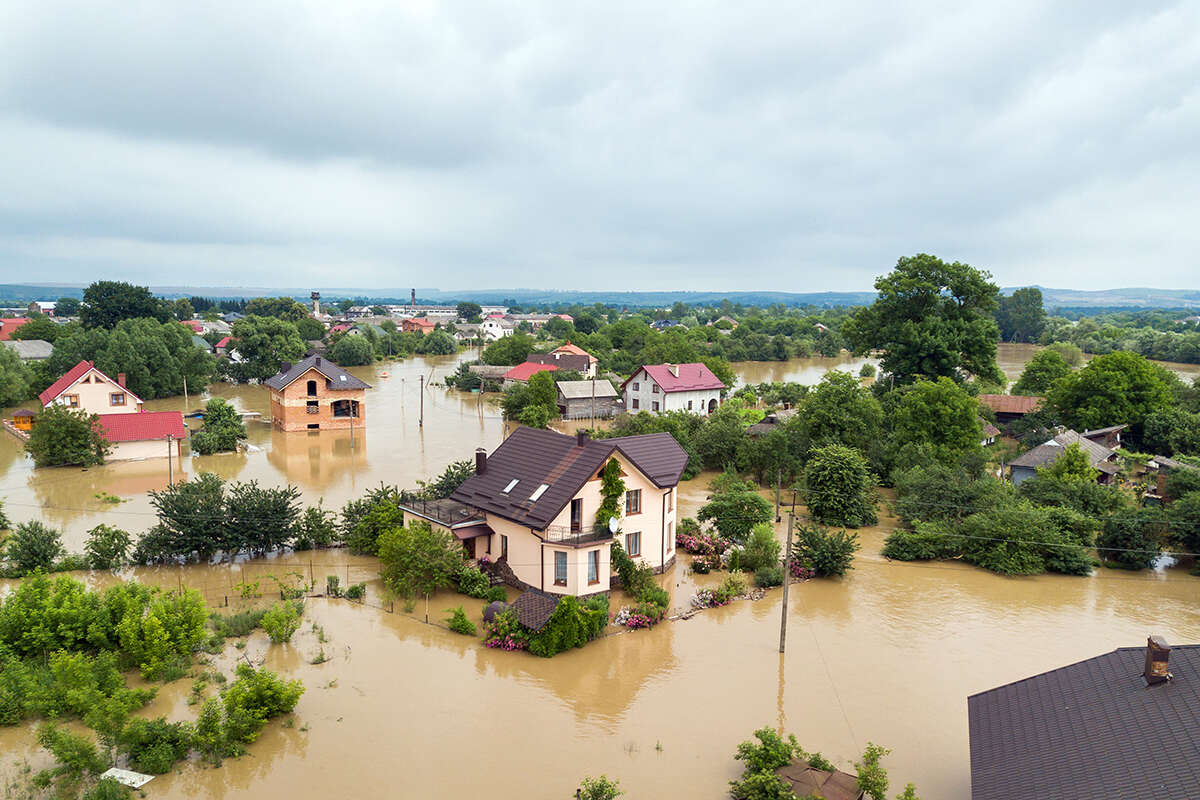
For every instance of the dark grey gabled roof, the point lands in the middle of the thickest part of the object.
(533, 457)
(335, 374)
(1090, 730)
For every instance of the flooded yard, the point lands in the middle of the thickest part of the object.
(404, 709)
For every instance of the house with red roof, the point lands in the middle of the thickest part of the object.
(134, 432)
(570, 349)
(10, 325)
(659, 388)
(521, 373)
(419, 325)
(196, 325)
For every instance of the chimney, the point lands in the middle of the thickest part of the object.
(581, 438)
(480, 461)
(414, 299)
(1157, 653)
(284, 367)
(121, 379)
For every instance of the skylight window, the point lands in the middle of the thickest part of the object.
(511, 485)
(538, 492)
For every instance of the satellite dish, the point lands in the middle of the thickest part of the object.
(613, 525)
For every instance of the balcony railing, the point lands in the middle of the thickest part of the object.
(576, 537)
(448, 512)
(312, 410)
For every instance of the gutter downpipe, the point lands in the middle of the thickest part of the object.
(662, 536)
(542, 559)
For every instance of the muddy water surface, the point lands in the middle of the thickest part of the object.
(888, 654)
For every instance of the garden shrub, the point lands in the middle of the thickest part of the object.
(154, 745)
(599, 789)
(827, 552)
(573, 624)
(458, 622)
(760, 550)
(283, 620)
(687, 527)
(382, 517)
(356, 591)
(253, 698)
(75, 753)
(504, 632)
(107, 547)
(766, 577)
(705, 564)
(929, 541)
(32, 546)
(473, 583)
(209, 735)
(839, 488)
(496, 594)
(733, 586)
(232, 625)
(333, 586)
(107, 789)
(635, 576)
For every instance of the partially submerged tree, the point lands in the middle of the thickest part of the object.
(65, 436)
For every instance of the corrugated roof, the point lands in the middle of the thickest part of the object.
(690, 377)
(139, 427)
(533, 457)
(1011, 403)
(1090, 730)
(582, 390)
(30, 349)
(525, 371)
(335, 374)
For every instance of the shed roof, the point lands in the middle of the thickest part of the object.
(30, 349)
(583, 390)
(335, 374)
(680, 377)
(535, 608)
(1088, 730)
(1011, 403)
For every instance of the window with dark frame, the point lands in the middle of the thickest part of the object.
(633, 543)
(633, 502)
(116, 399)
(635, 403)
(577, 515)
(560, 568)
(655, 405)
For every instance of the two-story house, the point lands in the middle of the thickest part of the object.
(659, 388)
(316, 394)
(133, 432)
(537, 495)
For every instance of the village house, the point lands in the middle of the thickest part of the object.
(563, 361)
(586, 399)
(358, 312)
(1158, 471)
(9, 325)
(1102, 458)
(576, 352)
(659, 388)
(1010, 407)
(133, 432)
(521, 373)
(316, 394)
(771, 422)
(1119, 725)
(42, 307)
(990, 434)
(417, 325)
(538, 494)
(537, 321)
(496, 327)
(465, 332)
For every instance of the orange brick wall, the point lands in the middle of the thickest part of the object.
(289, 408)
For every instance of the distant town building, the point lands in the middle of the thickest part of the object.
(521, 373)
(30, 349)
(659, 388)
(42, 307)
(417, 325)
(9, 325)
(494, 328)
(316, 394)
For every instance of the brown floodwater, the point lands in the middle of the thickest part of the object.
(1012, 358)
(887, 654)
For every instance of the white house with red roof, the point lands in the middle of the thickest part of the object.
(570, 349)
(659, 388)
(134, 432)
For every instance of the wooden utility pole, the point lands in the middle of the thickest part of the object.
(185, 397)
(787, 580)
(421, 391)
(778, 488)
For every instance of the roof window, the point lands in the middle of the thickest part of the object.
(538, 492)
(511, 485)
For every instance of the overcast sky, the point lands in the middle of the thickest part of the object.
(614, 145)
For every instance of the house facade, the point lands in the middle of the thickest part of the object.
(1103, 459)
(586, 399)
(537, 496)
(659, 388)
(419, 325)
(496, 327)
(316, 394)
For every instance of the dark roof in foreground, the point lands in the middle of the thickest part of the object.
(808, 781)
(338, 377)
(1090, 730)
(533, 457)
(534, 609)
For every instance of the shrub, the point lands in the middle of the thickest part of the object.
(736, 512)
(473, 583)
(382, 517)
(705, 598)
(33, 546)
(418, 559)
(827, 552)
(761, 549)
(733, 586)
(458, 622)
(333, 586)
(107, 789)
(283, 620)
(635, 577)
(317, 528)
(496, 594)
(155, 745)
(240, 624)
(872, 777)
(76, 754)
(573, 624)
(504, 632)
(209, 736)
(761, 786)
(356, 591)
(687, 527)
(839, 488)
(599, 789)
(705, 564)
(255, 697)
(107, 547)
(1132, 540)
(67, 437)
(766, 577)
(927, 542)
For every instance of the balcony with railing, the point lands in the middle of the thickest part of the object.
(576, 535)
(447, 512)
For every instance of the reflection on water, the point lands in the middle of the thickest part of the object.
(807, 371)
(1012, 358)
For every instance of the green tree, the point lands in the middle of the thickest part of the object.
(839, 488)
(839, 410)
(1132, 540)
(352, 351)
(1171, 431)
(872, 777)
(932, 320)
(533, 403)
(1020, 316)
(265, 343)
(281, 307)
(437, 343)
(107, 547)
(827, 553)
(33, 546)
(223, 428)
(734, 513)
(67, 307)
(508, 350)
(191, 521)
(105, 303)
(416, 559)
(182, 309)
(310, 329)
(261, 519)
(64, 436)
(15, 378)
(1072, 465)
(469, 311)
(39, 327)
(935, 421)
(1113, 389)
(721, 438)
(1041, 372)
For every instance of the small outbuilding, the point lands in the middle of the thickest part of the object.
(586, 399)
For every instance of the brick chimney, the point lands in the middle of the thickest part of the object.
(1157, 654)
(581, 438)
(121, 379)
(480, 461)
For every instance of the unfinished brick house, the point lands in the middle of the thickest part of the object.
(316, 394)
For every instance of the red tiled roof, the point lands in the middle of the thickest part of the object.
(59, 386)
(194, 324)
(574, 350)
(1011, 403)
(143, 426)
(691, 377)
(523, 372)
(224, 342)
(7, 326)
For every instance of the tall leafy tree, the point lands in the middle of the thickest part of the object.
(1021, 316)
(839, 488)
(65, 437)
(67, 306)
(840, 410)
(1113, 389)
(281, 307)
(15, 378)
(265, 343)
(191, 521)
(259, 519)
(39, 327)
(934, 420)
(932, 319)
(418, 560)
(105, 303)
(1041, 372)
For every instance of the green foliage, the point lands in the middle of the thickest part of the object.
(839, 488)
(761, 786)
(1132, 540)
(761, 758)
(76, 754)
(223, 428)
(839, 410)
(932, 320)
(209, 735)
(253, 698)
(636, 576)
(356, 591)
(384, 516)
(264, 343)
(445, 484)
(1020, 316)
(1172, 431)
(937, 492)
(826, 552)
(107, 547)
(533, 403)
(352, 351)
(934, 421)
(310, 330)
(473, 583)
(239, 624)
(1086, 497)
(612, 489)
(67, 437)
(356, 510)
(1041, 372)
(872, 777)
(508, 350)
(734, 585)
(599, 789)
(16, 378)
(105, 303)
(760, 551)
(928, 542)
(417, 559)
(191, 521)
(720, 440)
(260, 520)
(1112, 389)
(155, 745)
(107, 789)
(317, 528)
(735, 513)
(458, 622)
(1072, 465)
(438, 343)
(282, 307)
(283, 620)
(766, 577)
(573, 624)
(682, 426)
(1184, 517)
(32, 546)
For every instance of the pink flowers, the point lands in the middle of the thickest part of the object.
(636, 621)
(801, 572)
(484, 561)
(506, 643)
(701, 543)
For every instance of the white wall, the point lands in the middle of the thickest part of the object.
(674, 401)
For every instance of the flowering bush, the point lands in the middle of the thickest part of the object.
(636, 620)
(802, 572)
(504, 632)
(644, 615)
(706, 544)
(707, 598)
(484, 561)
(705, 564)
(734, 585)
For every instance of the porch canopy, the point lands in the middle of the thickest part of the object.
(472, 531)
